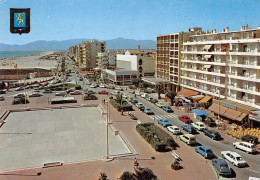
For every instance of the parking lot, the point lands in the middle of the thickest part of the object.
(32, 138)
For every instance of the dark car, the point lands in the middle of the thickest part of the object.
(2, 98)
(188, 128)
(212, 134)
(133, 101)
(152, 100)
(167, 109)
(19, 96)
(221, 167)
(90, 92)
(250, 139)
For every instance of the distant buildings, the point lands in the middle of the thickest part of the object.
(224, 65)
(85, 53)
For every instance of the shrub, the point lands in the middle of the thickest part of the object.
(21, 100)
(155, 136)
(127, 176)
(90, 97)
(125, 106)
(175, 165)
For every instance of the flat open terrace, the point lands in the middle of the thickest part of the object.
(32, 138)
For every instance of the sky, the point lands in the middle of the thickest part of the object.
(131, 19)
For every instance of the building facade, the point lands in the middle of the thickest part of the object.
(106, 60)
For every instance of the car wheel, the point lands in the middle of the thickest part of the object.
(212, 138)
(233, 164)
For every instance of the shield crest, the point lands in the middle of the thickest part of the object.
(19, 20)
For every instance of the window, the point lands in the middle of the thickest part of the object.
(140, 62)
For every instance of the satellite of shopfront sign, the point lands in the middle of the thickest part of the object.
(20, 20)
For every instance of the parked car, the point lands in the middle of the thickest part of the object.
(125, 95)
(19, 96)
(60, 94)
(133, 101)
(143, 95)
(102, 85)
(234, 158)
(47, 91)
(111, 87)
(152, 100)
(250, 139)
(2, 98)
(212, 134)
(88, 83)
(70, 90)
(164, 122)
(76, 93)
(245, 146)
(93, 85)
(148, 98)
(160, 104)
(188, 128)
(137, 93)
(210, 122)
(188, 139)
(148, 110)
(174, 129)
(90, 92)
(103, 92)
(185, 119)
(205, 151)
(221, 167)
(115, 92)
(19, 89)
(199, 125)
(119, 88)
(140, 106)
(81, 78)
(167, 109)
(35, 94)
(131, 91)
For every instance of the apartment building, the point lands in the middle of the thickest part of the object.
(106, 60)
(85, 53)
(169, 56)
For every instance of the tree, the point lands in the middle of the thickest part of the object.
(171, 95)
(159, 90)
(119, 98)
(102, 176)
(144, 174)
(127, 176)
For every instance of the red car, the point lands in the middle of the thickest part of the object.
(103, 92)
(185, 119)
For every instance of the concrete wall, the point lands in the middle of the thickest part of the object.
(127, 58)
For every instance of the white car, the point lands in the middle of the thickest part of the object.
(115, 92)
(174, 129)
(102, 85)
(199, 125)
(245, 146)
(188, 139)
(234, 158)
(119, 88)
(137, 93)
(143, 95)
(93, 85)
(125, 96)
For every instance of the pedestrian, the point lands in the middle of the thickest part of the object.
(135, 163)
(122, 111)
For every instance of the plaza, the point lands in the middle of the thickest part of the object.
(31, 138)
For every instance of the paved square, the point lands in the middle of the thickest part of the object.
(32, 138)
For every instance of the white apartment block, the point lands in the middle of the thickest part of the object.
(225, 65)
(106, 60)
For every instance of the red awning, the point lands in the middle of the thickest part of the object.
(224, 47)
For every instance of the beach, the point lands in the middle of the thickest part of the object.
(28, 61)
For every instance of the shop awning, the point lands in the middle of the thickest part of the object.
(200, 112)
(187, 93)
(207, 47)
(218, 109)
(197, 97)
(224, 47)
(207, 56)
(207, 66)
(241, 117)
(205, 99)
(232, 114)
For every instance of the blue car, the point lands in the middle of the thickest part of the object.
(188, 128)
(167, 108)
(205, 151)
(148, 110)
(221, 167)
(164, 122)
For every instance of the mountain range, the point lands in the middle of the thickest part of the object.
(118, 43)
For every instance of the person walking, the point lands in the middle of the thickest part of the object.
(135, 163)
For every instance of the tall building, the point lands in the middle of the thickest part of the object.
(106, 60)
(85, 53)
(225, 64)
(169, 56)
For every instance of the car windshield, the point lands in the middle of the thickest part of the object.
(224, 166)
(239, 158)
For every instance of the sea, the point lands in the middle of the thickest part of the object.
(6, 54)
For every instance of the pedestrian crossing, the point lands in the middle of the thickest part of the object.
(168, 116)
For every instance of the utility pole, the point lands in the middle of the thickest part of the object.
(108, 115)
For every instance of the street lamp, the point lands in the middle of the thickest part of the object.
(108, 116)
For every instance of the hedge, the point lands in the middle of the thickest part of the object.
(125, 106)
(155, 136)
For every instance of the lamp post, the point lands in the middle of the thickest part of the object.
(108, 116)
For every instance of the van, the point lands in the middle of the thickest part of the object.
(245, 146)
(188, 139)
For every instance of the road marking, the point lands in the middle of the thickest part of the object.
(163, 116)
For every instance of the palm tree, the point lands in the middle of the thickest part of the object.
(144, 174)
(171, 95)
(159, 90)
